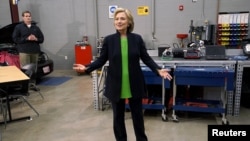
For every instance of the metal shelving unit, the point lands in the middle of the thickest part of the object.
(237, 98)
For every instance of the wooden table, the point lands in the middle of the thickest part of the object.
(10, 75)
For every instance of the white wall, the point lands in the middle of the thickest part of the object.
(5, 17)
(65, 21)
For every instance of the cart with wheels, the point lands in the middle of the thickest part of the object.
(157, 103)
(203, 76)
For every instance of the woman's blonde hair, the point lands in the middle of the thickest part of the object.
(129, 16)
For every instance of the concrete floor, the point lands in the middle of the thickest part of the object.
(67, 114)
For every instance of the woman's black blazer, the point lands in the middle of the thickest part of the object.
(111, 52)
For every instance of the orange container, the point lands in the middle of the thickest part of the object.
(83, 54)
(181, 36)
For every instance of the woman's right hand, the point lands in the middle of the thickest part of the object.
(79, 67)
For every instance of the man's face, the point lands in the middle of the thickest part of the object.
(27, 18)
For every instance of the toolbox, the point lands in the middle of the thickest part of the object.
(83, 54)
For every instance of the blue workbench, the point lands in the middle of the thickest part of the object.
(173, 64)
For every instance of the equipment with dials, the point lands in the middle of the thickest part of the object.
(187, 53)
(167, 54)
(246, 46)
(193, 50)
(192, 54)
(178, 52)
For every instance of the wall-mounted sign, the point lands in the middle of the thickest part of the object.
(142, 10)
(112, 9)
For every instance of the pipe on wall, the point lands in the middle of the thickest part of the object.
(218, 10)
(96, 19)
(153, 19)
(14, 12)
(153, 23)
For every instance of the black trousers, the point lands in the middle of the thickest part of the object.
(137, 117)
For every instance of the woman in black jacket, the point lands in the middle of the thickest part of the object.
(125, 79)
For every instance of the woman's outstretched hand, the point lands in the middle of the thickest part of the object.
(164, 73)
(79, 67)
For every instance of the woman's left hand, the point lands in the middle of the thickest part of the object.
(164, 73)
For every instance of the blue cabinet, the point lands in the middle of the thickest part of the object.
(203, 76)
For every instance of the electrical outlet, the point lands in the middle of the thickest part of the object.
(66, 57)
(154, 39)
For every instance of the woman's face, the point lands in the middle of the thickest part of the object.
(121, 22)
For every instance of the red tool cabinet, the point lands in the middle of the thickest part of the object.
(83, 54)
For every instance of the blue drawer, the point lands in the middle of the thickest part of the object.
(152, 78)
(205, 76)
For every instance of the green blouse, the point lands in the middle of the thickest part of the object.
(125, 91)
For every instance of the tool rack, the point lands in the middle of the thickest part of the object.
(203, 76)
